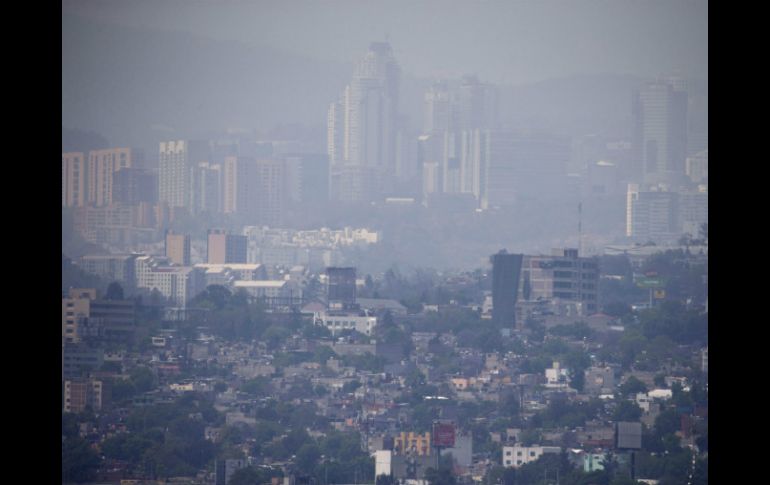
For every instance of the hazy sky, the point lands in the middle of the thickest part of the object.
(502, 41)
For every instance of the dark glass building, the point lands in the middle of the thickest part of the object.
(506, 271)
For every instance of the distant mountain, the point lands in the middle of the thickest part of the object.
(139, 86)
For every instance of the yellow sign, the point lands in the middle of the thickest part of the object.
(660, 294)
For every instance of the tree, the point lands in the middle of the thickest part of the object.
(632, 386)
(143, 379)
(307, 457)
(627, 411)
(385, 480)
(114, 291)
(79, 461)
(442, 476)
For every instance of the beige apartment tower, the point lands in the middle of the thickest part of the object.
(74, 179)
(102, 164)
(178, 248)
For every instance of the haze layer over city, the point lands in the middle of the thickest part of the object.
(564, 77)
(347, 181)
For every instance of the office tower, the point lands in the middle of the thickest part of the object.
(660, 132)
(176, 167)
(102, 165)
(269, 193)
(254, 189)
(431, 179)
(341, 286)
(74, 177)
(235, 174)
(362, 129)
(131, 186)
(178, 248)
(562, 277)
(511, 165)
(450, 162)
(440, 109)
(225, 248)
(651, 214)
(208, 188)
(693, 210)
(477, 105)
(506, 272)
(697, 167)
(306, 179)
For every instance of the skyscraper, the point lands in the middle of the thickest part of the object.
(651, 215)
(506, 271)
(361, 137)
(102, 165)
(176, 177)
(440, 109)
(255, 189)
(477, 104)
(660, 132)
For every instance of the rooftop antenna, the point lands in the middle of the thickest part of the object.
(580, 228)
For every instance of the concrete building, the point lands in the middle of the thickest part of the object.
(176, 164)
(132, 186)
(102, 165)
(254, 188)
(341, 286)
(564, 277)
(240, 271)
(517, 455)
(74, 314)
(79, 394)
(226, 248)
(268, 288)
(224, 469)
(660, 132)
(86, 318)
(512, 164)
(337, 321)
(651, 214)
(177, 248)
(113, 224)
(599, 380)
(697, 167)
(506, 275)
(693, 211)
(207, 187)
(111, 267)
(176, 283)
(74, 179)
(362, 127)
(307, 177)
(78, 359)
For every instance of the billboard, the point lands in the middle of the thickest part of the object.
(628, 435)
(443, 435)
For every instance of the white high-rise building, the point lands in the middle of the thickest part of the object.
(176, 171)
(361, 136)
(697, 167)
(651, 215)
